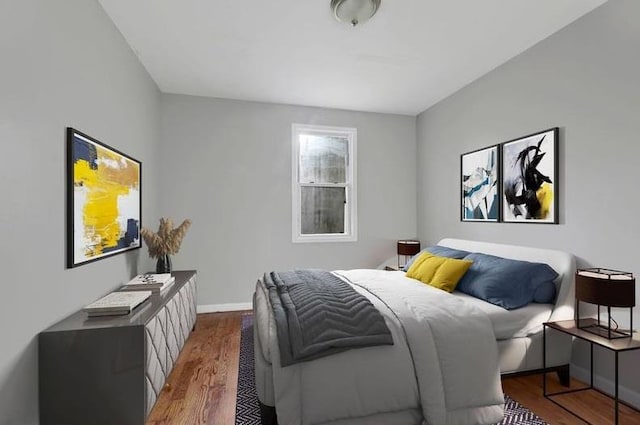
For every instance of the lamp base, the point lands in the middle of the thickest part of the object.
(603, 331)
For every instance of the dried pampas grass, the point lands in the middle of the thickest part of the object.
(167, 240)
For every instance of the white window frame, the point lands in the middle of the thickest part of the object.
(351, 228)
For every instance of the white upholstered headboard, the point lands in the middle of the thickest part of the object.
(562, 262)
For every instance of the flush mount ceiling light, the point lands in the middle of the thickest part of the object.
(354, 11)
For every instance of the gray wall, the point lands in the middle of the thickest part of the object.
(63, 64)
(586, 80)
(227, 166)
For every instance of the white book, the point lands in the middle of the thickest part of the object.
(150, 280)
(117, 303)
(107, 313)
(154, 288)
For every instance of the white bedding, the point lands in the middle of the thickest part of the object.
(429, 372)
(507, 324)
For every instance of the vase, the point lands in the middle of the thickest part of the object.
(164, 264)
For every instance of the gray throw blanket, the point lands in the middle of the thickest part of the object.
(318, 314)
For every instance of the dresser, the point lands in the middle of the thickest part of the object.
(110, 370)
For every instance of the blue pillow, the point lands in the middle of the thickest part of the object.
(546, 293)
(507, 283)
(440, 251)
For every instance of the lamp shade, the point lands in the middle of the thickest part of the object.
(408, 247)
(606, 287)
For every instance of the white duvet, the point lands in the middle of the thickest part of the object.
(442, 369)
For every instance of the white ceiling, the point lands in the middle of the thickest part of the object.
(412, 54)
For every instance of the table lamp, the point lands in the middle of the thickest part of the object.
(407, 248)
(609, 288)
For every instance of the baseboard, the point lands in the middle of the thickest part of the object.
(606, 385)
(215, 308)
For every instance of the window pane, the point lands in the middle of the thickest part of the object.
(323, 210)
(323, 159)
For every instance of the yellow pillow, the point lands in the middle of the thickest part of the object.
(439, 272)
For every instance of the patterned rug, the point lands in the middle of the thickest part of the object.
(248, 410)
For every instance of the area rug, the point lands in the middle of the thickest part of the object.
(248, 409)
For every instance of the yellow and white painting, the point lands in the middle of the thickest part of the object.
(106, 200)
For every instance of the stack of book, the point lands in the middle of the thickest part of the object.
(157, 283)
(116, 303)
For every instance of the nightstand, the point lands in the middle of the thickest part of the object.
(570, 327)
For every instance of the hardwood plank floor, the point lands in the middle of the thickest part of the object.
(591, 405)
(203, 384)
(201, 389)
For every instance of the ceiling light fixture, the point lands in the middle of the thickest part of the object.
(354, 11)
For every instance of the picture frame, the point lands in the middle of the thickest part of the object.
(530, 178)
(480, 185)
(104, 200)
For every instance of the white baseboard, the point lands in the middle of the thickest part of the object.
(606, 385)
(215, 308)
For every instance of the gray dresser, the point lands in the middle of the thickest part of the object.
(110, 370)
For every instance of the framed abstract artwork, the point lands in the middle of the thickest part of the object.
(530, 178)
(103, 200)
(480, 184)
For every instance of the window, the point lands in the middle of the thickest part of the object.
(324, 184)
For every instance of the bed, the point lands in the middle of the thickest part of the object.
(452, 379)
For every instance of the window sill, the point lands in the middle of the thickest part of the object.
(324, 238)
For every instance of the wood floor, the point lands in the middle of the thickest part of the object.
(202, 386)
(201, 390)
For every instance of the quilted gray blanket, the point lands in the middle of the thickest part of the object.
(318, 314)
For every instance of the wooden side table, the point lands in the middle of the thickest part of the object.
(571, 327)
